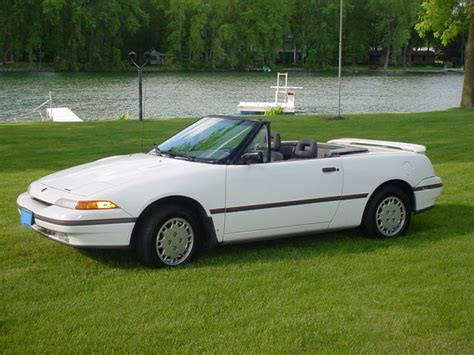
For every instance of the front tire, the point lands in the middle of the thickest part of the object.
(168, 236)
(388, 213)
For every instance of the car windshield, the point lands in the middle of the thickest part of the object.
(209, 139)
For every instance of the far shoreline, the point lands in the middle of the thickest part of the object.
(351, 70)
(452, 111)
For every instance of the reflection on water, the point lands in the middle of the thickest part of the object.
(106, 95)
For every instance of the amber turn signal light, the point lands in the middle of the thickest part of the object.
(95, 205)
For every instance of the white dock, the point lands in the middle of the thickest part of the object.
(284, 99)
(62, 114)
(255, 108)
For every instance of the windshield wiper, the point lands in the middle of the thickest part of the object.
(174, 153)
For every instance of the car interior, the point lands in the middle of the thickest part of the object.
(307, 149)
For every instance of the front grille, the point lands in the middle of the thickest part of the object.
(58, 236)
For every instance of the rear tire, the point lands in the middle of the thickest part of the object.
(168, 236)
(388, 213)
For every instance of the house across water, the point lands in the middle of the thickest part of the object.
(156, 57)
(413, 57)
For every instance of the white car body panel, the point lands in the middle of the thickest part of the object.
(371, 170)
(245, 202)
(425, 194)
(149, 178)
(67, 226)
(256, 190)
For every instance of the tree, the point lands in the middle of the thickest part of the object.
(357, 27)
(315, 31)
(22, 28)
(219, 34)
(446, 19)
(395, 21)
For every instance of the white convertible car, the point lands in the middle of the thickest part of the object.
(229, 179)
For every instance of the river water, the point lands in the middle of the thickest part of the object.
(107, 95)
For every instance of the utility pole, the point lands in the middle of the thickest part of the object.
(340, 61)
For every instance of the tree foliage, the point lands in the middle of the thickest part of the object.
(446, 19)
(396, 19)
(75, 33)
(213, 34)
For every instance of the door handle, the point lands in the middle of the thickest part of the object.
(330, 170)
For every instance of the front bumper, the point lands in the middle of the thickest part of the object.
(86, 229)
(426, 193)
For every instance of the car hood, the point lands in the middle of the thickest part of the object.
(98, 176)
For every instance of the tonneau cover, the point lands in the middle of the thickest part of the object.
(408, 147)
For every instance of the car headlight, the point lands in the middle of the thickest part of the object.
(86, 205)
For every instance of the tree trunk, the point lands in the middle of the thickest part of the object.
(91, 47)
(294, 52)
(387, 58)
(467, 99)
(405, 50)
(30, 55)
(389, 45)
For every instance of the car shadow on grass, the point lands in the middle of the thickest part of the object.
(114, 258)
(445, 221)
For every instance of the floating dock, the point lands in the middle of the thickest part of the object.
(284, 99)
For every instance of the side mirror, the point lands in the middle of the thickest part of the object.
(252, 158)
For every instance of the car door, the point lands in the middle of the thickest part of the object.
(272, 197)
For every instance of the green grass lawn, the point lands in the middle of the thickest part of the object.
(334, 292)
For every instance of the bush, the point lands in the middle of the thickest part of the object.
(122, 117)
(273, 111)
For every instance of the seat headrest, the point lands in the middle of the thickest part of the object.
(275, 141)
(306, 148)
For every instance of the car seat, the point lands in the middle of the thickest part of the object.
(276, 155)
(306, 149)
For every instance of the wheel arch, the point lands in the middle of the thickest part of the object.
(402, 185)
(205, 221)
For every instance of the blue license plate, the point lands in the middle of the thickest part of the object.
(26, 218)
